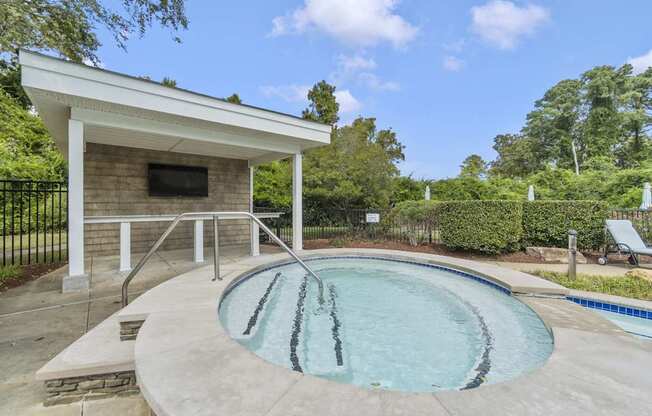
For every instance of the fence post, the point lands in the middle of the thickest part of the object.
(572, 254)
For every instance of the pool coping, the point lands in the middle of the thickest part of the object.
(177, 347)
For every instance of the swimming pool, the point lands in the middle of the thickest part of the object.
(386, 324)
(639, 327)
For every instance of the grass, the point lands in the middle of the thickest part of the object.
(626, 286)
(34, 239)
(8, 273)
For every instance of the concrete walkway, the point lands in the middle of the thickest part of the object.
(37, 322)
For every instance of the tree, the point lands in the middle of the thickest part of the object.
(323, 106)
(233, 98)
(473, 167)
(516, 156)
(357, 170)
(390, 144)
(636, 113)
(10, 84)
(354, 171)
(554, 126)
(603, 118)
(68, 28)
(169, 82)
(406, 188)
(603, 87)
(26, 149)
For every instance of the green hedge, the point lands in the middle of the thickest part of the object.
(546, 223)
(503, 226)
(486, 226)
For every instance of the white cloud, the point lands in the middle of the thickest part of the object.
(375, 83)
(355, 63)
(357, 68)
(294, 93)
(452, 63)
(353, 22)
(456, 46)
(502, 23)
(291, 93)
(348, 103)
(641, 63)
(279, 26)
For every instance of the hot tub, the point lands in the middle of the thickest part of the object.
(386, 324)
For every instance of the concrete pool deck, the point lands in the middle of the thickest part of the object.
(187, 364)
(37, 322)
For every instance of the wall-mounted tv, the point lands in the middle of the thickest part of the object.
(173, 180)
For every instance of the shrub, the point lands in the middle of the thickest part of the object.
(418, 217)
(486, 226)
(546, 223)
(340, 242)
(9, 272)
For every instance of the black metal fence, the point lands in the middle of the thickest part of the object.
(355, 224)
(34, 222)
(363, 224)
(641, 220)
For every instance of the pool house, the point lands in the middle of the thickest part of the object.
(140, 153)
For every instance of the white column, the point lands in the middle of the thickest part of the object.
(76, 279)
(255, 239)
(125, 246)
(199, 241)
(297, 203)
(254, 229)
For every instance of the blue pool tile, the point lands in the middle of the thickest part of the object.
(624, 310)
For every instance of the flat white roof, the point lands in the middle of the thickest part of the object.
(128, 111)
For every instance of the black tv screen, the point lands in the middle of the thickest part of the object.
(172, 180)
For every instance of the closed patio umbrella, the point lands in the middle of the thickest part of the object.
(647, 196)
(530, 193)
(427, 195)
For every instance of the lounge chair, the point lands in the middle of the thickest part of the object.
(626, 240)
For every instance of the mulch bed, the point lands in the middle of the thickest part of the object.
(518, 257)
(28, 273)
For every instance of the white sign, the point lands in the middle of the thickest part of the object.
(373, 217)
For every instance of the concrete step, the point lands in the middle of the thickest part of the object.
(97, 365)
(99, 351)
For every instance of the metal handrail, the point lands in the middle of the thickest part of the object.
(215, 215)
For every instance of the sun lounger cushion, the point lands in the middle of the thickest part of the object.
(623, 232)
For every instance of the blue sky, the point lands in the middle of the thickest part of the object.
(447, 76)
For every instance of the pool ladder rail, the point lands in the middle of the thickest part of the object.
(216, 251)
